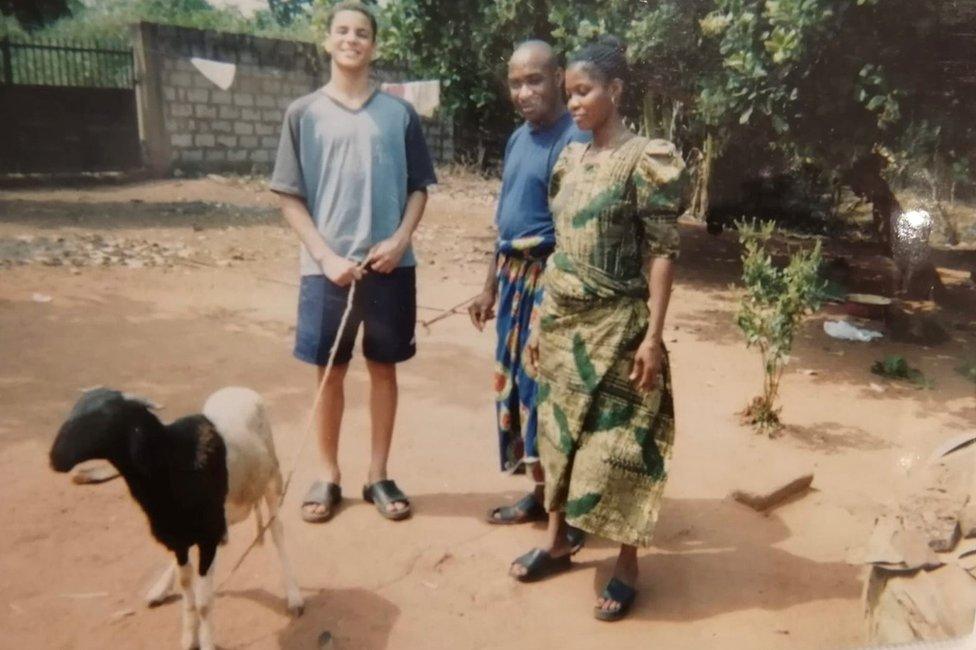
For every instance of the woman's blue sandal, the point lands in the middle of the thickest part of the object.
(620, 593)
(539, 564)
(522, 511)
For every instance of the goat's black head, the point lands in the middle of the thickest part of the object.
(104, 423)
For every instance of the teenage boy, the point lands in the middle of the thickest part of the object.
(352, 173)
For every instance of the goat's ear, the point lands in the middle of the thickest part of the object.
(145, 401)
(66, 450)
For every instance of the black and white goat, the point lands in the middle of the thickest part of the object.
(192, 477)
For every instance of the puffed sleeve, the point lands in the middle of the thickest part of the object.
(660, 183)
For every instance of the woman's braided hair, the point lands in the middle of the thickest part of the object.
(606, 56)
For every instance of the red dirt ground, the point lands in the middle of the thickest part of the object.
(75, 559)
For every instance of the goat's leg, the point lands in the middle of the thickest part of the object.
(203, 588)
(161, 588)
(191, 623)
(296, 604)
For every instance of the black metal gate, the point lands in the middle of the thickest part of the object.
(67, 107)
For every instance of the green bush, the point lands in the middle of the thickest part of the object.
(101, 20)
(775, 302)
(896, 367)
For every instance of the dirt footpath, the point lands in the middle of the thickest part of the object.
(174, 289)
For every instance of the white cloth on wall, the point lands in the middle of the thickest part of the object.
(424, 96)
(218, 72)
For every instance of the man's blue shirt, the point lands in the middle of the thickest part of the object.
(523, 206)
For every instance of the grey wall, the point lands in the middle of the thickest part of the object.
(188, 123)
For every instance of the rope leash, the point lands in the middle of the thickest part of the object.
(315, 407)
(308, 430)
(444, 313)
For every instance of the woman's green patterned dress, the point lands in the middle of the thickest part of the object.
(604, 444)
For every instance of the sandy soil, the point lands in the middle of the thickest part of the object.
(75, 559)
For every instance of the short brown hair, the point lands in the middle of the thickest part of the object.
(351, 5)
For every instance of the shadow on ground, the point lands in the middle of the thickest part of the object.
(712, 557)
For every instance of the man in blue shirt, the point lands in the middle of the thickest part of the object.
(526, 237)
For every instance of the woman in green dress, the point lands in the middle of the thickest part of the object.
(606, 416)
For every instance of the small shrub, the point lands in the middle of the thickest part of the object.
(775, 302)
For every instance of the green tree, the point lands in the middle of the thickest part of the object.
(286, 12)
(847, 86)
(466, 44)
(110, 20)
(827, 92)
(33, 14)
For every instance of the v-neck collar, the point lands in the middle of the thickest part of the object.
(346, 108)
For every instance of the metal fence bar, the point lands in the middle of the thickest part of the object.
(41, 45)
(8, 70)
(54, 67)
(44, 62)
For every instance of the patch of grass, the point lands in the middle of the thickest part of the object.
(896, 367)
(968, 370)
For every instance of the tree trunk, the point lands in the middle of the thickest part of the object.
(649, 116)
(699, 200)
(676, 107)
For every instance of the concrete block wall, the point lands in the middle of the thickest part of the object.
(205, 129)
(234, 129)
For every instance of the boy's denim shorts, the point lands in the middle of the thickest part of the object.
(385, 305)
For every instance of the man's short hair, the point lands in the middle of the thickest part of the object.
(555, 59)
(351, 5)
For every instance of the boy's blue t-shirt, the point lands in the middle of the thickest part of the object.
(523, 206)
(354, 168)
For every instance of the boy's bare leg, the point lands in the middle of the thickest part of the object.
(383, 394)
(328, 420)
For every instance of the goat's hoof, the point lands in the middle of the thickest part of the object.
(296, 609)
(190, 642)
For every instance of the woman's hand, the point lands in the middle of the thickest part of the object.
(648, 361)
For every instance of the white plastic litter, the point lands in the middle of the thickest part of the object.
(840, 329)
(220, 73)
